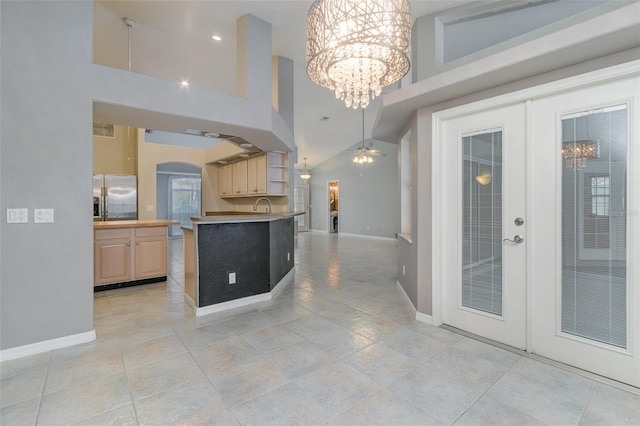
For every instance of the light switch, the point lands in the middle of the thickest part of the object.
(42, 215)
(17, 215)
(232, 278)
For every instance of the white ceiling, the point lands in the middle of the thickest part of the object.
(316, 139)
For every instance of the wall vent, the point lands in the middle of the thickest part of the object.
(103, 129)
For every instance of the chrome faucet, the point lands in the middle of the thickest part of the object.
(255, 206)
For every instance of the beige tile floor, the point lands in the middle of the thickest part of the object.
(338, 346)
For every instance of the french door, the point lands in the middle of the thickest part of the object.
(485, 162)
(539, 254)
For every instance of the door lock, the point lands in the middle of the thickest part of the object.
(516, 239)
(519, 221)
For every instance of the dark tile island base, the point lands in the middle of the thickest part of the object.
(237, 260)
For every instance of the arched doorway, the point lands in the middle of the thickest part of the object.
(178, 193)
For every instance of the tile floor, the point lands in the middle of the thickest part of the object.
(338, 347)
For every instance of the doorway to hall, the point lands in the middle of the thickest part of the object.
(535, 226)
(333, 187)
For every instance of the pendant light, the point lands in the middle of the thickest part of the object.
(305, 175)
(357, 47)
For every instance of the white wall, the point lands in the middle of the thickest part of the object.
(371, 200)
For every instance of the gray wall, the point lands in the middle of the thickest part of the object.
(466, 36)
(372, 199)
(46, 273)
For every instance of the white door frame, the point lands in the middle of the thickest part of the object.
(441, 218)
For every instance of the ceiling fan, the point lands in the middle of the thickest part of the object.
(363, 154)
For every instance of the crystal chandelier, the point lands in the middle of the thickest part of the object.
(357, 47)
(576, 153)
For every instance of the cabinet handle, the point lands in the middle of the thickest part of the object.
(137, 243)
(128, 243)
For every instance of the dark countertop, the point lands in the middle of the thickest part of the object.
(234, 217)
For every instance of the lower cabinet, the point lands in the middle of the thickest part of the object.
(129, 254)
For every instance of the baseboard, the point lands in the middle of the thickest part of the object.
(47, 345)
(406, 298)
(190, 301)
(427, 319)
(373, 237)
(232, 304)
(283, 283)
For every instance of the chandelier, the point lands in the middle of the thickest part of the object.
(576, 153)
(357, 47)
(305, 174)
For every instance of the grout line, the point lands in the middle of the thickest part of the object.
(535, 357)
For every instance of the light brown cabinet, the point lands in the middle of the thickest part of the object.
(257, 175)
(239, 178)
(264, 174)
(129, 254)
(225, 176)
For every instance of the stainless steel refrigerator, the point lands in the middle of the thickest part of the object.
(115, 197)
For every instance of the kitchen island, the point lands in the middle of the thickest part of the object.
(233, 259)
(129, 252)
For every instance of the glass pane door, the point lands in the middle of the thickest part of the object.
(482, 221)
(301, 204)
(184, 200)
(594, 266)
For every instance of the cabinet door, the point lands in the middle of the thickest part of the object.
(112, 261)
(257, 175)
(224, 180)
(239, 180)
(150, 252)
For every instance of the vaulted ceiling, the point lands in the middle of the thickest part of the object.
(316, 137)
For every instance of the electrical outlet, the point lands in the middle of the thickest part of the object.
(42, 215)
(149, 208)
(232, 277)
(17, 215)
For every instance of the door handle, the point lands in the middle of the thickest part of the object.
(516, 239)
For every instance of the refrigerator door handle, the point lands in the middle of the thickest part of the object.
(104, 203)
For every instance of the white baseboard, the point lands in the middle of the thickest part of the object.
(283, 283)
(427, 319)
(406, 298)
(232, 304)
(47, 345)
(373, 237)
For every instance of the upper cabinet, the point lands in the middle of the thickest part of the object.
(263, 174)
(225, 174)
(239, 178)
(257, 175)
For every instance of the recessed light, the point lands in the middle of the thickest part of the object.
(184, 83)
(211, 135)
(216, 37)
(243, 155)
(246, 145)
(222, 162)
